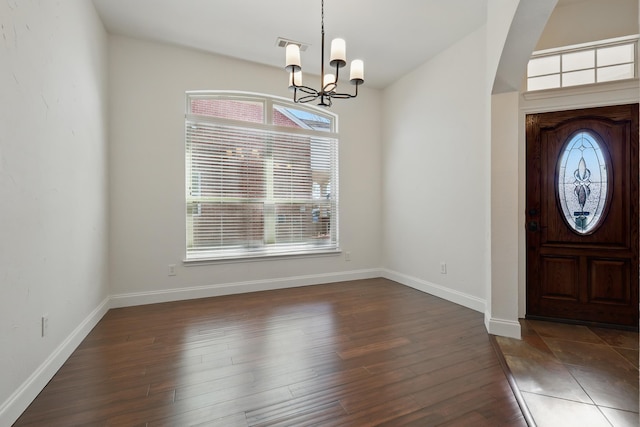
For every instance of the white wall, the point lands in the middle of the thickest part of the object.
(506, 224)
(589, 20)
(436, 174)
(147, 102)
(53, 188)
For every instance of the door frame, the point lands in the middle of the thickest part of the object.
(574, 98)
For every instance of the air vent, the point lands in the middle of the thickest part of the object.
(282, 42)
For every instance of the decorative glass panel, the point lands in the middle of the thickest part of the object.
(582, 182)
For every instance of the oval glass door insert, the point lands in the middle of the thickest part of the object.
(582, 182)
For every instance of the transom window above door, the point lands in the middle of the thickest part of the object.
(604, 61)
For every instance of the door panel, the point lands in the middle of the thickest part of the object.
(582, 215)
(607, 280)
(560, 278)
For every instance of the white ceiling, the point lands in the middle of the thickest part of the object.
(391, 36)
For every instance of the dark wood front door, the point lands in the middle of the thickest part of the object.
(582, 215)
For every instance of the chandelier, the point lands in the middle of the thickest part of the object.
(328, 82)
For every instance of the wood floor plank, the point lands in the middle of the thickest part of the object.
(388, 410)
(416, 384)
(199, 409)
(373, 347)
(296, 415)
(366, 352)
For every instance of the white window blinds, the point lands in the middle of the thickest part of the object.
(255, 188)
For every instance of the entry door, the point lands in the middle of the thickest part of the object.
(582, 215)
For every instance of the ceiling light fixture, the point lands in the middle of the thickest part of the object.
(329, 81)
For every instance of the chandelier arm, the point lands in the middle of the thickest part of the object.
(308, 90)
(346, 95)
(311, 94)
(305, 89)
(330, 88)
(342, 96)
(307, 98)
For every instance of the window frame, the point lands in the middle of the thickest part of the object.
(267, 250)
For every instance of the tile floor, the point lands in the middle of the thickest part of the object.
(572, 375)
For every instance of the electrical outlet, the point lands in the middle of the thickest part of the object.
(443, 267)
(44, 325)
(347, 256)
(172, 270)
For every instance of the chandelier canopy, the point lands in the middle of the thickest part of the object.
(328, 82)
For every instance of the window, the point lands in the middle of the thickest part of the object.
(605, 61)
(261, 177)
(582, 182)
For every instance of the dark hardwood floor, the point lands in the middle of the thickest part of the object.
(368, 352)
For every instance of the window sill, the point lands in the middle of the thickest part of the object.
(233, 259)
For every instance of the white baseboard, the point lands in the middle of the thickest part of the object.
(178, 294)
(503, 327)
(460, 298)
(15, 405)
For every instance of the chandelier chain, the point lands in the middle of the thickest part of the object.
(322, 15)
